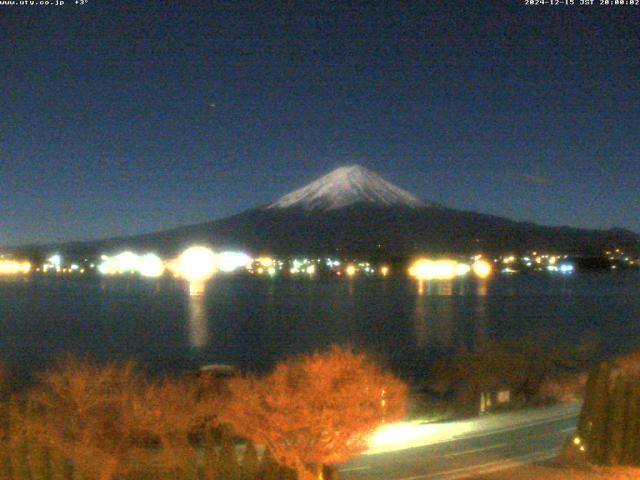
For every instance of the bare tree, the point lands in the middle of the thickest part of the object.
(80, 410)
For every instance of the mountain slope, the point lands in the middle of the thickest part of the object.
(375, 232)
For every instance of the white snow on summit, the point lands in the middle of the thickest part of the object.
(348, 186)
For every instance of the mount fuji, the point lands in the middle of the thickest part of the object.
(354, 211)
(348, 186)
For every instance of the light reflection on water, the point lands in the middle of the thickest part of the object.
(480, 311)
(252, 323)
(421, 321)
(198, 321)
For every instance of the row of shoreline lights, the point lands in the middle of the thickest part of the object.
(201, 263)
(196, 265)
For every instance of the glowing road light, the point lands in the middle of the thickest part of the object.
(350, 270)
(230, 261)
(481, 268)
(401, 436)
(311, 269)
(196, 264)
(384, 271)
(150, 265)
(393, 435)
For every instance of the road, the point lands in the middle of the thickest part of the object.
(456, 450)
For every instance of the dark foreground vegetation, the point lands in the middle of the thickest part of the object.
(504, 375)
(609, 428)
(84, 421)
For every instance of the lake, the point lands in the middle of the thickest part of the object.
(254, 322)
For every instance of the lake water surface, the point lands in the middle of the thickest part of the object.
(254, 322)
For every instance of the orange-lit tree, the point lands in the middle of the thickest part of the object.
(315, 410)
(166, 414)
(79, 411)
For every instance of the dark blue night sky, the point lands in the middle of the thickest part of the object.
(131, 116)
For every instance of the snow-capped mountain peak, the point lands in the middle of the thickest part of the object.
(347, 186)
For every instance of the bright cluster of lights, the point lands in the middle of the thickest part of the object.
(462, 269)
(265, 265)
(147, 265)
(150, 265)
(14, 267)
(564, 268)
(232, 261)
(55, 263)
(536, 261)
(425, 269)
(509, 259)
(366, 267)
(481, 268)
(266, 262)
(55, 260)
(195, 264)
(353, 269)
(303, 265)
(331, 263)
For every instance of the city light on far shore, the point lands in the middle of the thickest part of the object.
(231, 261)
(425, 269)
(14, 267)
(150, 265)
(195, 264)
(462, 269)
(481, 268)
(265, 261)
